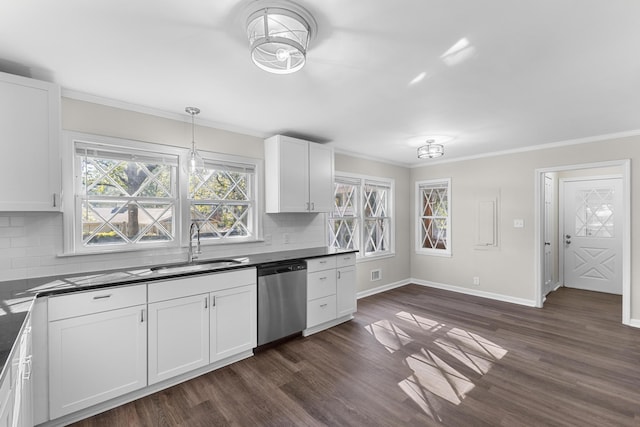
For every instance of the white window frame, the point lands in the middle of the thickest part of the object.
(447, 252)
(72, 233)
(361, 238)
(211, 159)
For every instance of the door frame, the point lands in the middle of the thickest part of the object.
(538, 242)
(561, 224)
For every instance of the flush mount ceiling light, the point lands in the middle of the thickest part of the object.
(430, 150)
(279, 34)
(194, 162)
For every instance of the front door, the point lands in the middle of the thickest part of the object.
(592, 236)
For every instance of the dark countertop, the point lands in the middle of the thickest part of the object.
(18, 295)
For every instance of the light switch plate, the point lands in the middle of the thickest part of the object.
(518, 223)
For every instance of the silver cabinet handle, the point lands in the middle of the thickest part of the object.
(307, 208)
(323, 305)
(142, 316)
(323, 262)
(323, 278)
(206, 302)
(313, 206)
(213, 302)
(55, 205)
(26, 375)
(338, 274)
(102, 296)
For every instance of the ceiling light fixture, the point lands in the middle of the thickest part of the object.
(431, 150)
(194, 162)
(279, 35)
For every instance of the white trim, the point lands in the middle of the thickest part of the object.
(635, 323)
(577, 141)
(344, 152)
(476, 293)
(626, 234)
(383, 288)
(419, 250)
(181, 117)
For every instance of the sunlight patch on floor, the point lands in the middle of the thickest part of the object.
(446, 366)
(389, 335)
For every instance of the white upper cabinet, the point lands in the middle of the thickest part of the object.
(29, 136)
(298, 175)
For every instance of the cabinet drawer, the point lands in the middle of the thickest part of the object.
(201, 284)
(318, 264)
(345, 260)
(321, 310)
(321, 284)
(82, 303)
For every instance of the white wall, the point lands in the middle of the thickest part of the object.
(509, 271)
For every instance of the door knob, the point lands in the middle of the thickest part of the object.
(568, 236)
(568, 242)
(547, 243)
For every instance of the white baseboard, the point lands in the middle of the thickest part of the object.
(383, 288)
(476, 293)
(634, 323)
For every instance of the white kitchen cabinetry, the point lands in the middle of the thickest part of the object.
(97, 347)
(298, 175)
(30, 131)
(331, 297)
(233, 321)
(200, 320)
(16, 396)
(346, 284)
(178, 336)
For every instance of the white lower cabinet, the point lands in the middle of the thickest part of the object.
(346, 290)
(331, 291)
(200, 320)
(233, 322)
(6, 401)
(97, 347)
(178, 336)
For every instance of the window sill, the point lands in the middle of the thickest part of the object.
(360, 259)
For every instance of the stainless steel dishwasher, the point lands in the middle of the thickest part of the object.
(282, 300)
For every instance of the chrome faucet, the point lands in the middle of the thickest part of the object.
(194, 229)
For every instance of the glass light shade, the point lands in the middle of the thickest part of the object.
(193, 161)
(430, 151)
(278, 39)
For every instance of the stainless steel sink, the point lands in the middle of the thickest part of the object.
(203, 265)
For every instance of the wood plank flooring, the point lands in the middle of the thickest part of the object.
(421, 356)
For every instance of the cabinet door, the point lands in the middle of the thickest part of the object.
(95, 358)
(346, 291)
(178, 336)
(6, 402)
(30, 131)
(320, 178)
(23, 404)
(294, 175)
(234, 327)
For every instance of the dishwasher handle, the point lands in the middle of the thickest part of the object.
(279, 268)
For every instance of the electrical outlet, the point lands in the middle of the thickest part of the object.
(476, 280)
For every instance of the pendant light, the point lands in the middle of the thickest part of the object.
(430, 150)
(193, 163)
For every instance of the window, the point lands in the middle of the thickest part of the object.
(131, 195)
(125, 197)
(362, 215)
(433, 200)
(222, 201)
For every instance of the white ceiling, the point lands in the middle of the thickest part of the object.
(534, 72)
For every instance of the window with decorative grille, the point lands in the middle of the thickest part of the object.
(362, 215)
(434, 221)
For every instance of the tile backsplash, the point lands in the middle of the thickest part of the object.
(31, 244)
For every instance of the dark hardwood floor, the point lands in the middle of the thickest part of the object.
(421, 356)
